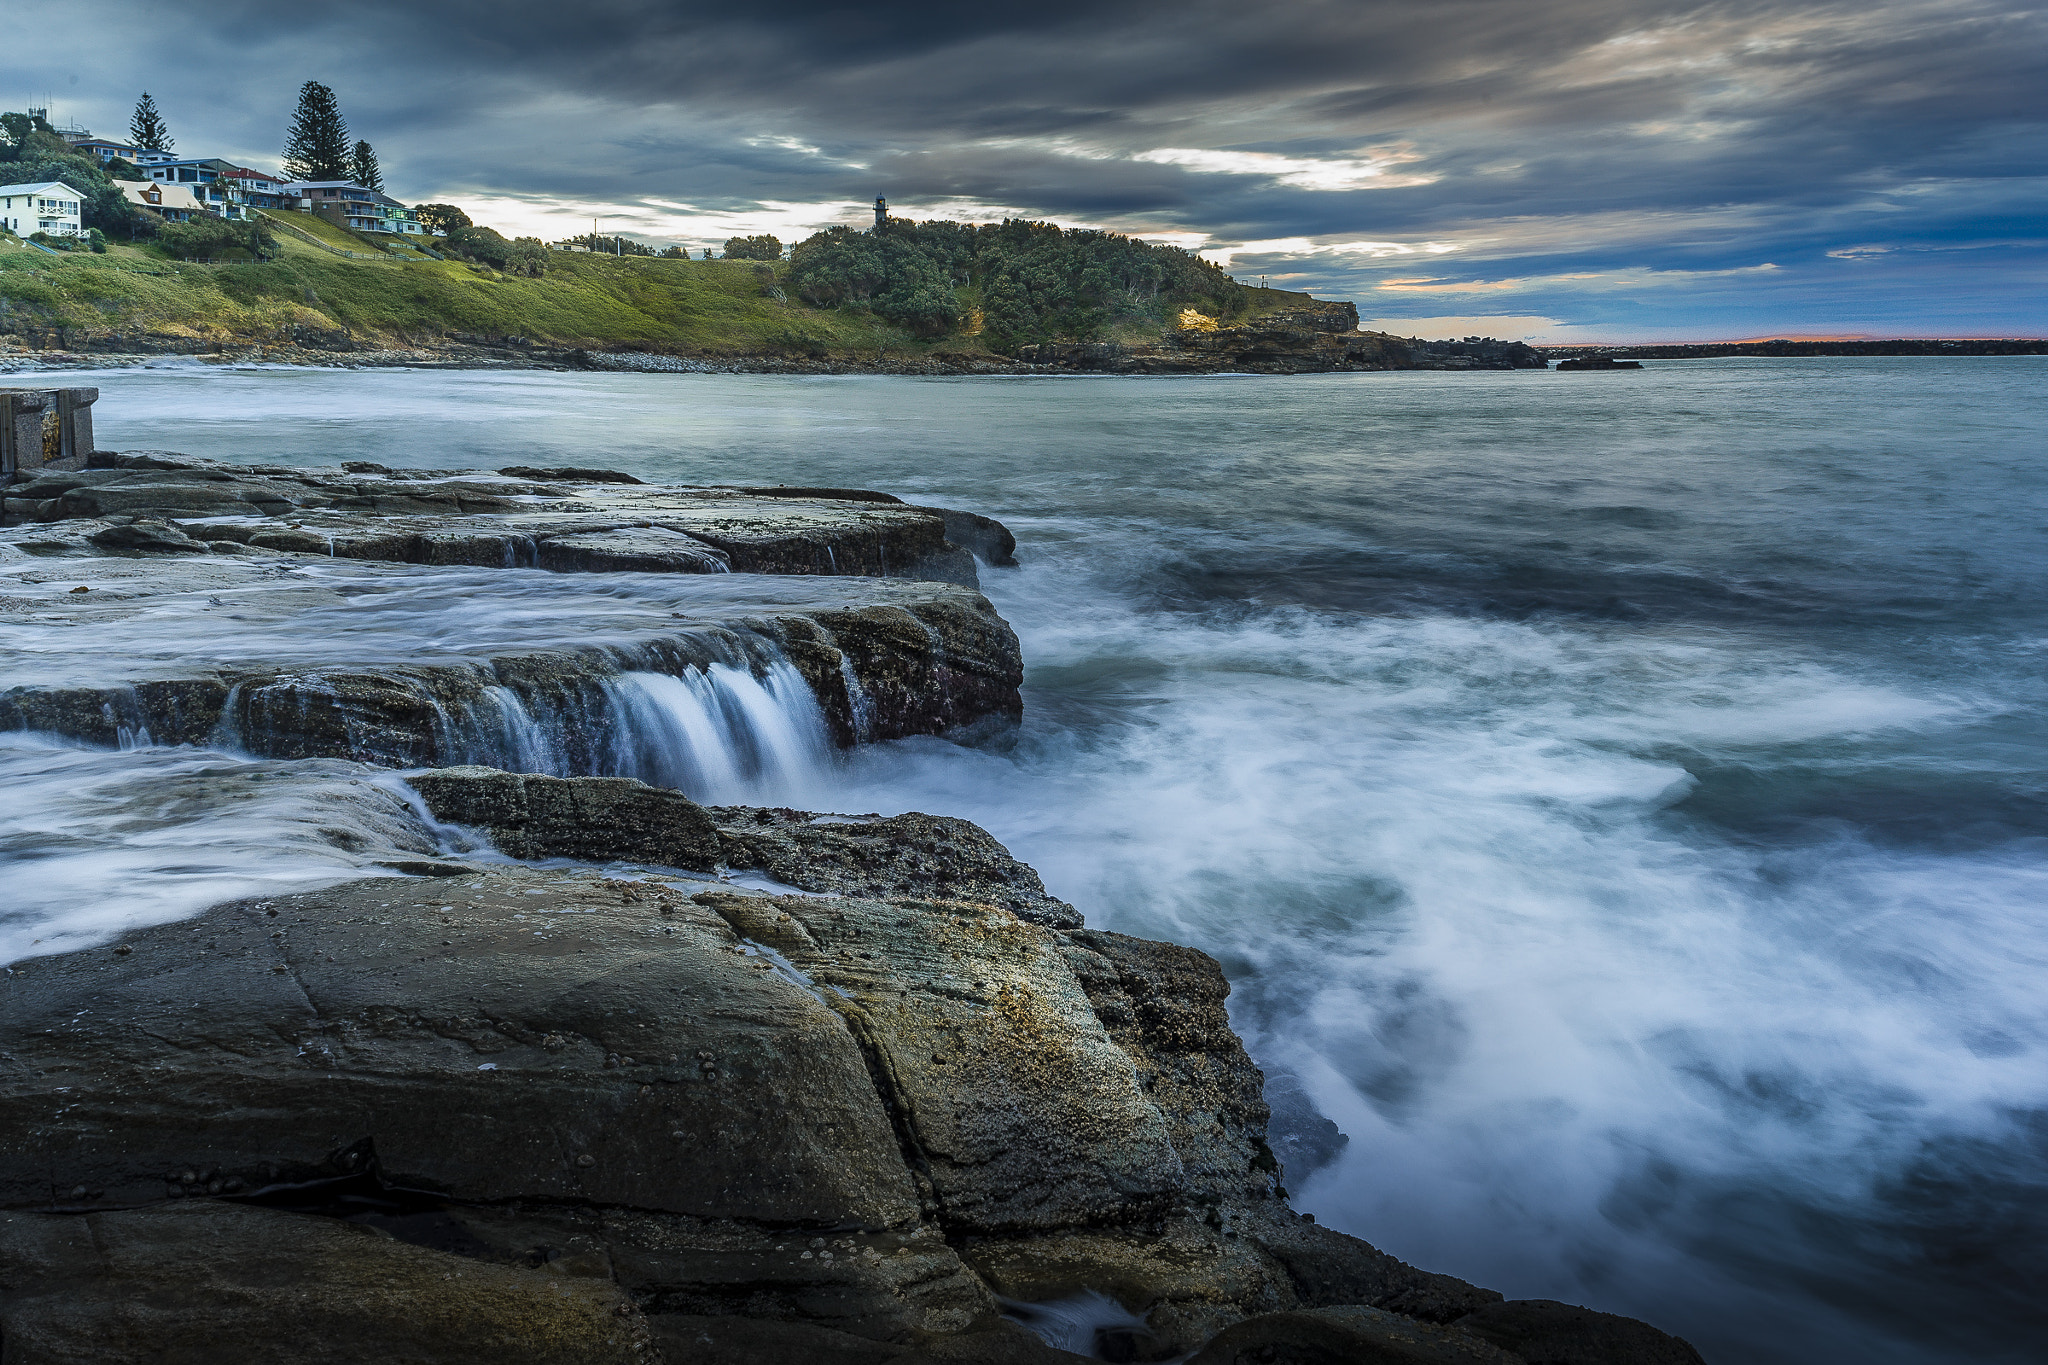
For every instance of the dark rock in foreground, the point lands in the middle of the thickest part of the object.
(543, 1114)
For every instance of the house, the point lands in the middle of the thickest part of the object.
(220, 186)
(246, 190)
(173, 203)
(340, 202)
(49, 206)
(257, 189)
(201, 175)
(351, 206)
(106, 149)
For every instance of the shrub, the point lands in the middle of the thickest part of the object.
(761, 248)
(208, 236)
(884, 272)
(480, 244)
(529, 257)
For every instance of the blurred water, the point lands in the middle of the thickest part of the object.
(1622, 800)
(96, 842)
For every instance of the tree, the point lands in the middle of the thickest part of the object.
(441, 217)
(17, 128)
(363, 164)
(761, 248)
(317, 148)
(486, 245)
(147, 129)
(676, 253)
(528, 256)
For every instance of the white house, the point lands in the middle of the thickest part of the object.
(50, 206)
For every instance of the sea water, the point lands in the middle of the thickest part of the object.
(1620, 801)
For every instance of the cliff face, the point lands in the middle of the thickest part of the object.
(523, 1114)
(1308, 340)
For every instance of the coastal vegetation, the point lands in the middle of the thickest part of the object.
(943, 290)
(133, 298)
(764, 247)
(1012, 283)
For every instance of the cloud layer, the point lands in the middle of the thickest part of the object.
(1628, 168)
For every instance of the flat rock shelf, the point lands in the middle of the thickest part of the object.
(302, 656)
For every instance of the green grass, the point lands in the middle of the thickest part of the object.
(314, 225)
(711, 308)
(332, 234)
(681, 307)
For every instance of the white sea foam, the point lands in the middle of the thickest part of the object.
(1564, 1026)
(95, 842)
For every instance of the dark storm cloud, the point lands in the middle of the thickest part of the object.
(1576, 159)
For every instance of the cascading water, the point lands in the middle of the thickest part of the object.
(720, 735)
(524, 744)
(714, 731)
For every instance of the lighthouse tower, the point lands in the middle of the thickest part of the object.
(881, 212)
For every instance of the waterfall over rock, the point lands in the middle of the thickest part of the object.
(721, 716)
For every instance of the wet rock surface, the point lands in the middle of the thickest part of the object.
(296, 656)
(899, 855)
(559, 1113)
(568, 520)
(612, 819)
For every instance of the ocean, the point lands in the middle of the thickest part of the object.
(1620, 801)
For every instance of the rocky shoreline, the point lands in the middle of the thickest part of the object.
(582, 1069)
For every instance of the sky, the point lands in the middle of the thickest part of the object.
(1563, 170)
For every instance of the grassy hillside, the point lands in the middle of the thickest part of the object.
(680, 307)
